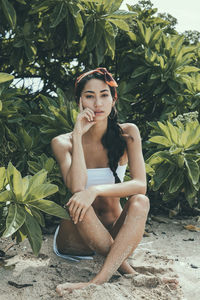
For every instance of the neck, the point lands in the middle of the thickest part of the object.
(97, 131)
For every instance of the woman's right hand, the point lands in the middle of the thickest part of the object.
(85, 120)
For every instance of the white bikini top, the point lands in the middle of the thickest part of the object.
(104, 175)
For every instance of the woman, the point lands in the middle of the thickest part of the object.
(93, 160)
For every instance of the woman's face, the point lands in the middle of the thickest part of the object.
(96, 95)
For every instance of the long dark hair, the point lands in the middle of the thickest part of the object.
(113, 139)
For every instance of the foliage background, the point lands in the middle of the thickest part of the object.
(51, 42)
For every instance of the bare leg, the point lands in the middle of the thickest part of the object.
(87, 237)
(127, 239)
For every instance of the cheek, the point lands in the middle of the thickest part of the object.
(87, 103)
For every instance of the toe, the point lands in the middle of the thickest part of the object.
(59, 290)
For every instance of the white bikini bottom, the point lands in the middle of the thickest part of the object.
(75, 258)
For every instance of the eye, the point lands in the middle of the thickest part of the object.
(105, 95)
(89, 96)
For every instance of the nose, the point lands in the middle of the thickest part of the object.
(98, 101)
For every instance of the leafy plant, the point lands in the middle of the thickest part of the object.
(174, 166)
(58, 116)
(22, 203)
(54, 176)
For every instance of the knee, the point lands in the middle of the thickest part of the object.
(89, 215)
(139, 203)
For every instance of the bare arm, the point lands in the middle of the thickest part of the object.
(137, 185)
(80, 202)
(71, 161)
(70, 155)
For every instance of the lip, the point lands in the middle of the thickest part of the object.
(98, 112)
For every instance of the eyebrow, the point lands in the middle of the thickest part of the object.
(105, 90)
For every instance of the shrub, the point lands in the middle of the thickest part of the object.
(22, 201)
(174, 159)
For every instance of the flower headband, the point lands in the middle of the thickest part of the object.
(107, 76)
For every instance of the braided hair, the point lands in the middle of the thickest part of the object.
(113, 140)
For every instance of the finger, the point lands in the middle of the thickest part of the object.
(70, 208)
(91, 111)
(80, 105)
(82, 214)
(89, 115)
(92, 114)
(74, 209)
(68, 203)
(77, 215)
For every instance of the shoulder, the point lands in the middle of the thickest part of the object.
(62, 141)
(130, 130)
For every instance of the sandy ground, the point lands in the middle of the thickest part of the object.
(169, 250)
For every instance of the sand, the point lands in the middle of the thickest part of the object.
(169, 251)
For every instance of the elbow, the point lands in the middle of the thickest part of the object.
(142, 188)
(75, 188)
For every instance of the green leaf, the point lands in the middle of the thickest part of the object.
(12, 136)
(165, 130)
(175, 150)
(162, 173)
(9, 12)
(28, 142)
(132, 36)
(193, 170)
(5, 196)
(2, 177)
(147, 35)
(35, 181)
(34, 167)
(15, 219)
(122, 14)
(4, 77)
(110, 38)
(38, 216)
(15, 181)
(120, 23)
(155, 36)
(25, 185)
(160, 140)
(139, 72)
(42, 7)
(176, 181)
(190, 192)
(100, 52)
(180, 160)
(30, 50)
(34, 233)
(155, 159)
(112, 6)
(50, 208)
(49, 164)
(187, 69)
(42, 191)
(149, 170)
(79, 22)
(173, 132)
(59, 13)
(90, 35)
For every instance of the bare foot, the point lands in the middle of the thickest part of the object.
(171, 282)
(69, 287)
